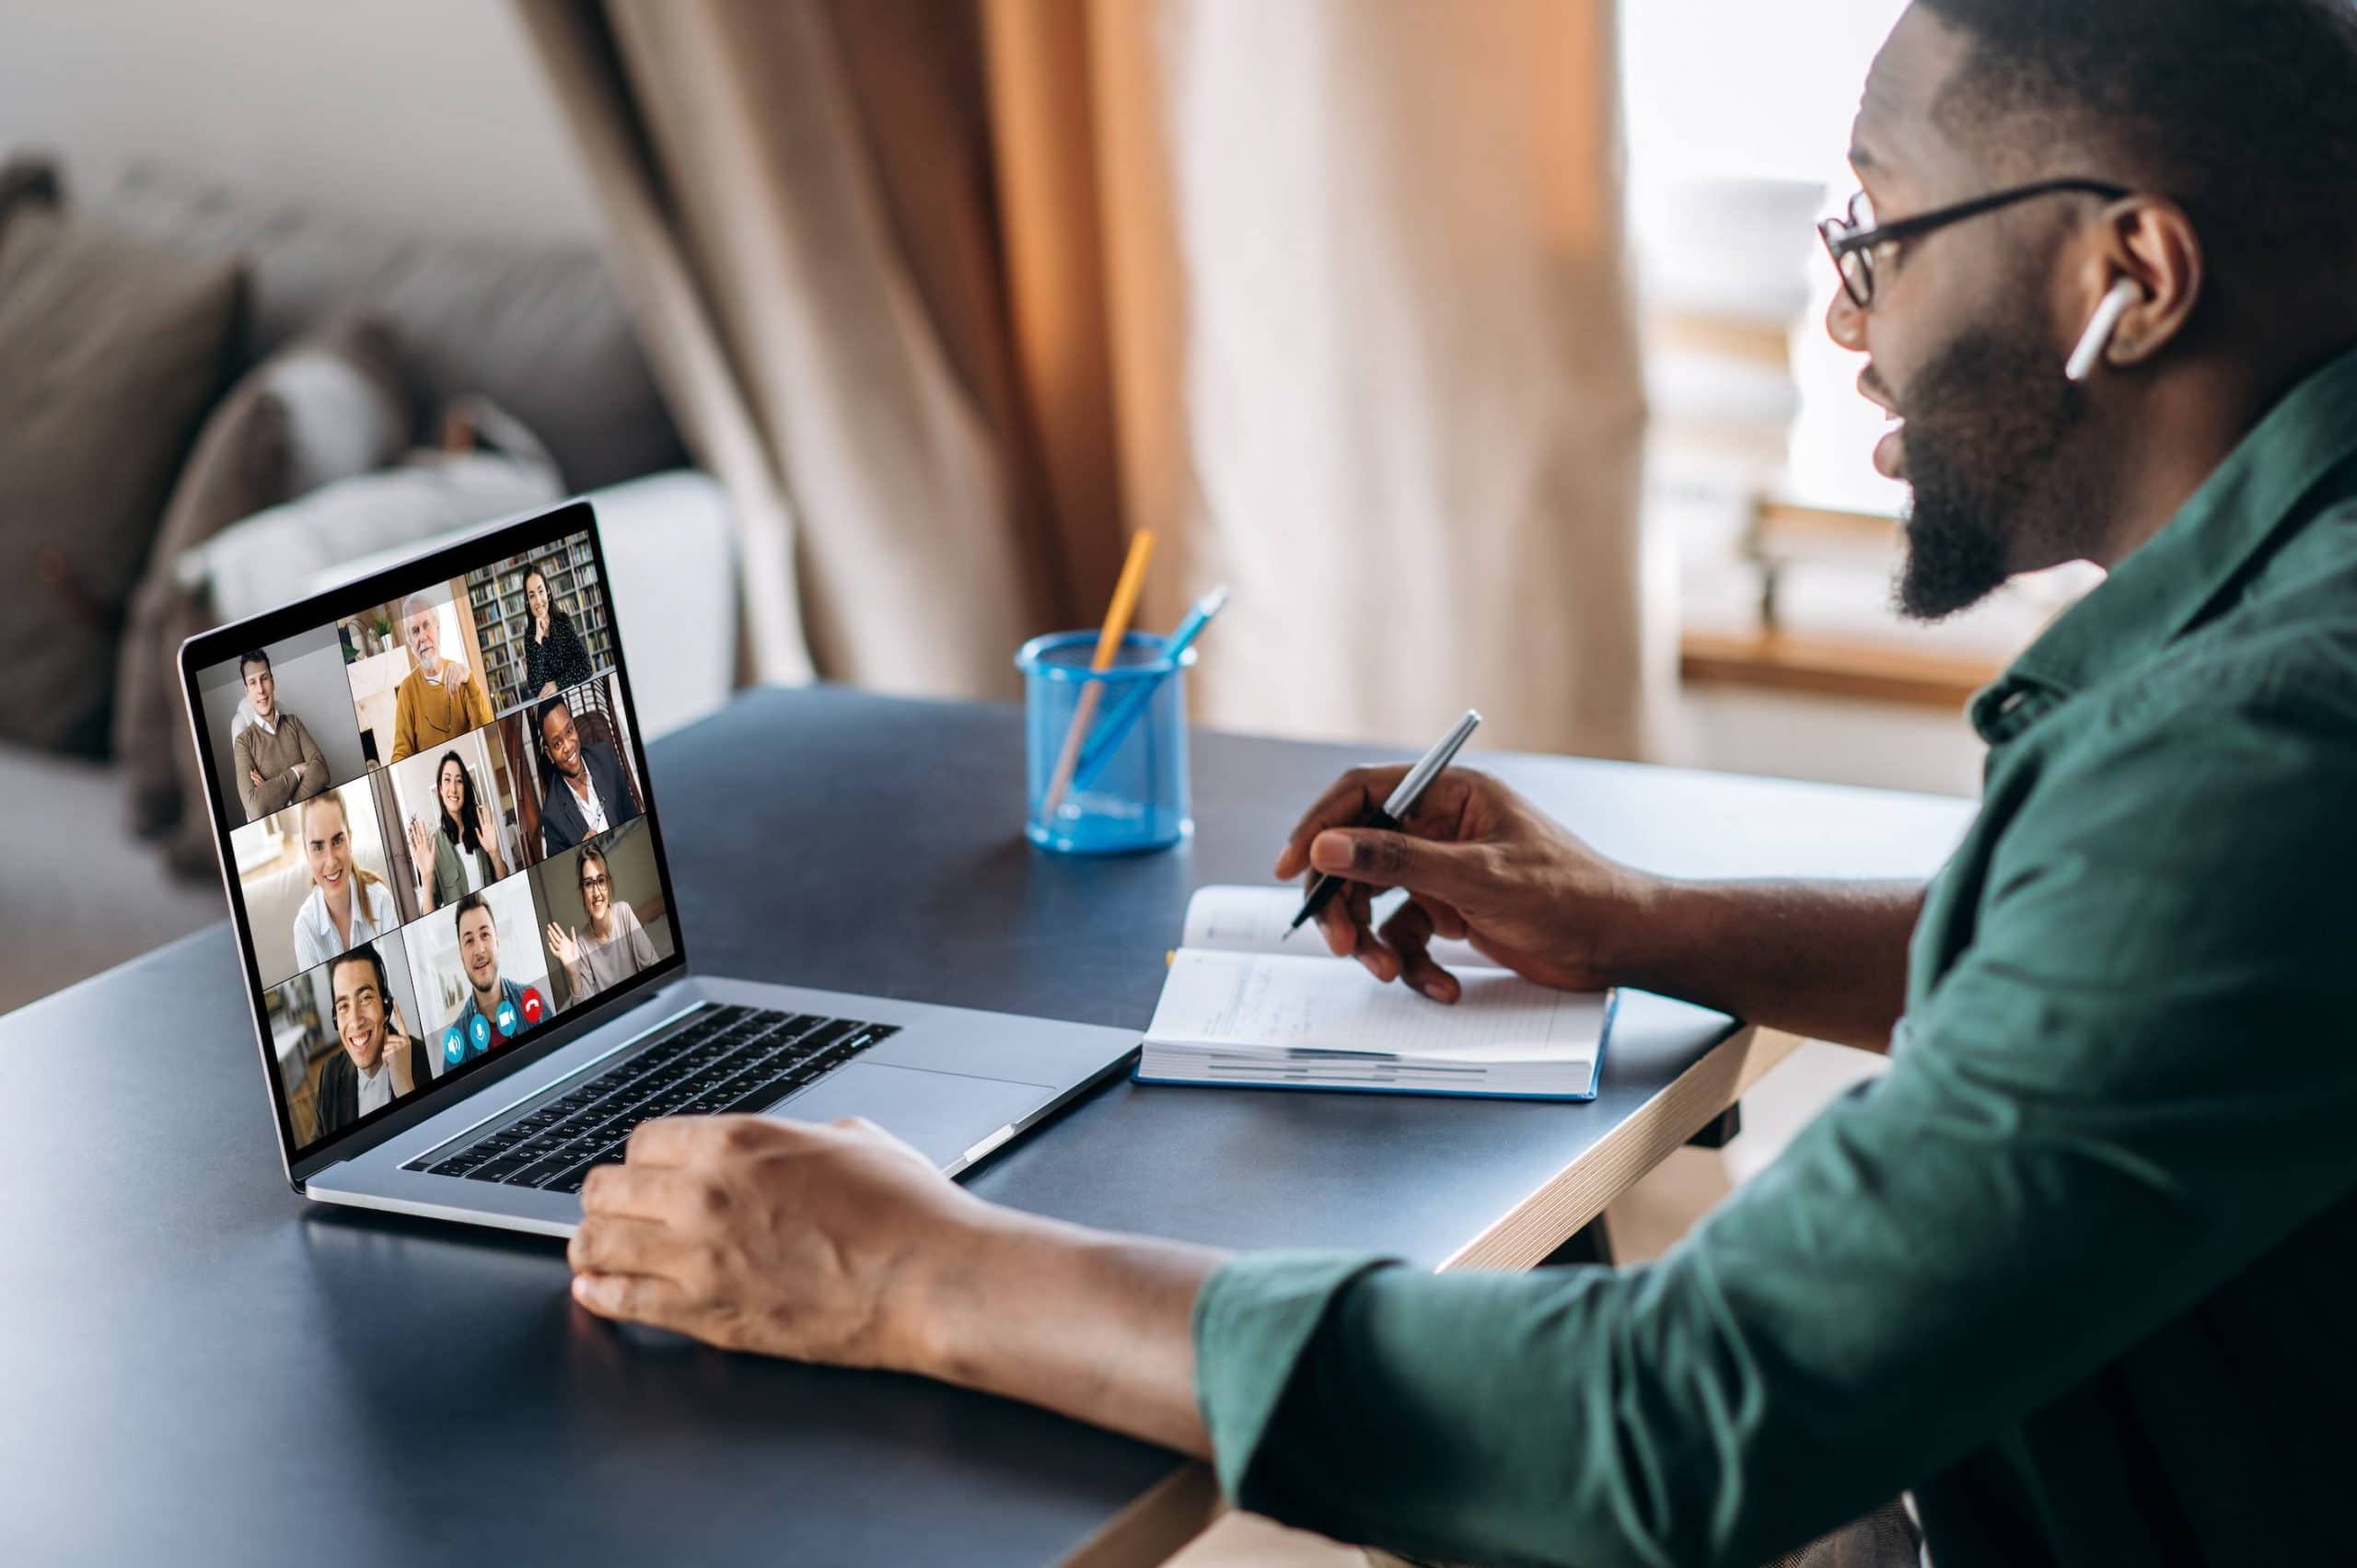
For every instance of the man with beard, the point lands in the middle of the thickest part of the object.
(2065, 1284)
(380, 1063)
(496, 1008)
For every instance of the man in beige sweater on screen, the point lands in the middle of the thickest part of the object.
(274, 758)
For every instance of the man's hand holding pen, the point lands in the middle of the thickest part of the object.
(1479, 862)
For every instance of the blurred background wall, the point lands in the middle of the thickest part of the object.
(429, 115)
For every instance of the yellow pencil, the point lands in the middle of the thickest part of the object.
(1108, 643)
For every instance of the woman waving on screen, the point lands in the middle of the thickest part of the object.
(462, 855)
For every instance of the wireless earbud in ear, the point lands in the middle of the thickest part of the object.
(2098, 337)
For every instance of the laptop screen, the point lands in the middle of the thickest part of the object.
(438, 834)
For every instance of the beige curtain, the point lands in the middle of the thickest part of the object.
(1326, 291)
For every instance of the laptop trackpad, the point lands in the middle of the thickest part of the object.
(944, 1114)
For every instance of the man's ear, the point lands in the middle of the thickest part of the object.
(2151, 242)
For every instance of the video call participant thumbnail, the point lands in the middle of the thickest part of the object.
(440, 700)
(380, 1061)
(587, 791)
(496, 1008)
(348, 904)
(461, 853)
(613, 947)
(554, 657)
(277, 761)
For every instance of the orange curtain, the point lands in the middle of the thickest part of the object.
(1329, 294)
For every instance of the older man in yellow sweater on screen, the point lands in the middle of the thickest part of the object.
(440, 700)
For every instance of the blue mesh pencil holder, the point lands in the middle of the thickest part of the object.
(1118, 782)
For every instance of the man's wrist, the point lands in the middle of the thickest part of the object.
(1649, 933)
(1096, 1326)
(937, 1310)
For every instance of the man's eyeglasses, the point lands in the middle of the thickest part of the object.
(1852, 239)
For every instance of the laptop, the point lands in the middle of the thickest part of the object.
(469, 973)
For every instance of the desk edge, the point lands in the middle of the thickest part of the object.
(1168, 1515)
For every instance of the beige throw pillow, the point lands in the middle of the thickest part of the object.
(324, 408)
(113, 349)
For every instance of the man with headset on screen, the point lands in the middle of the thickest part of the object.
(2068, 1282)
(380, 1061)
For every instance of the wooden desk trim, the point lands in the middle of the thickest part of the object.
(1184, 1503)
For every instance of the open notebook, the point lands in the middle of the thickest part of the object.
(1242, 1005)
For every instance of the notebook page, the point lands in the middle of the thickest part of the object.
(1317, 1005)
(1253, 920)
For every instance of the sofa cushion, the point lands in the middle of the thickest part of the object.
(277, 556)
(113, 349)
(324, 408)
(538, 328)
(28, 181)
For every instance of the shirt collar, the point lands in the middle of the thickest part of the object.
(2240, 512)
(364, 920)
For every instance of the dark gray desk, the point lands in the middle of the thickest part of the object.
(196, 1365)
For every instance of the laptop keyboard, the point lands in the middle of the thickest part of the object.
(727, 1059)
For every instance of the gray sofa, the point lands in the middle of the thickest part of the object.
(540, 331)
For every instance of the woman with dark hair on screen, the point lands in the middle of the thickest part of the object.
(554, 659)
(462, 855)
(614, 947)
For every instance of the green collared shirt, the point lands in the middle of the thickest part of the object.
(2080, 1270)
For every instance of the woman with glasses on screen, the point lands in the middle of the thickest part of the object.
(554, 658)
(614, 947)
(348, 904)
(462, 855)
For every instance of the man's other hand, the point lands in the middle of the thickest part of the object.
(1479, 862)
(787, 1238)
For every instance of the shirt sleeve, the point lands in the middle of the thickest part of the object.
(308, 948)
(2131, 1086)
(315, 762)
(404, 717)
(249, 794)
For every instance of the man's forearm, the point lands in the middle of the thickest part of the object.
(1825, 959)
(273, 793)
(1095, 1326)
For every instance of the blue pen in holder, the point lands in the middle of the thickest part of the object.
(1126, 789)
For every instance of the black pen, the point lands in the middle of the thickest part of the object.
(1403, 800)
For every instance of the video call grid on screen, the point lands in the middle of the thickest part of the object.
(438, 767)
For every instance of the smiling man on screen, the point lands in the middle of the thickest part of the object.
(2069, 1283)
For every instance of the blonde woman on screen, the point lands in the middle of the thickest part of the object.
(348, 904)
(614, 948)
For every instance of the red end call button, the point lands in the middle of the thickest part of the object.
(534, 1007)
